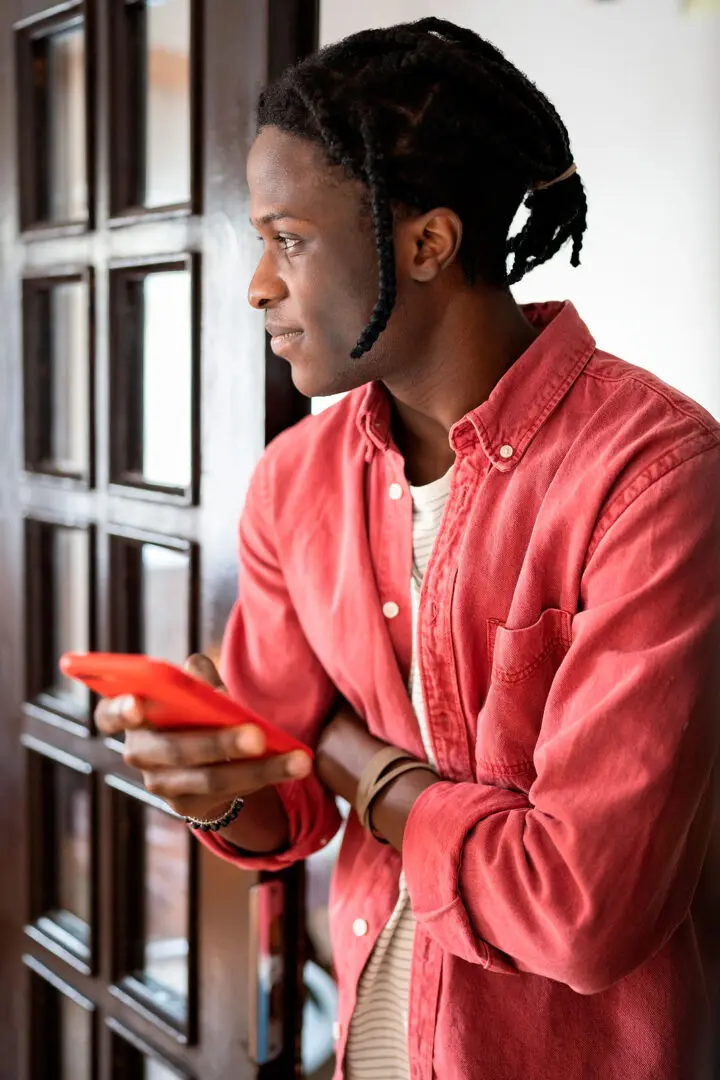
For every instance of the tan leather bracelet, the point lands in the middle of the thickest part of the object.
(389, 777)
(370, 775)
(381, 771)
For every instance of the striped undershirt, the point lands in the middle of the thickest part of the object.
(377, 1040)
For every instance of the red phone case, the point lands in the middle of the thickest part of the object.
(172, 698)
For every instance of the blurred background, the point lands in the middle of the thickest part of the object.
(136, 395)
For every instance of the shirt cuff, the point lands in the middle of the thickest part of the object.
(313, 820)
(437, 829)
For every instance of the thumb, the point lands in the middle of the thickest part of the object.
(203, 668)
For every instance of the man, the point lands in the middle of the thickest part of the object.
(484, 586)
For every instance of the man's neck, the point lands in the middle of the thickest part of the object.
(478, 339)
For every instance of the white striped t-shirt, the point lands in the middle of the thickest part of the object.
(377, 1040)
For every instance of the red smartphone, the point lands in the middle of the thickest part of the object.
(171, 698)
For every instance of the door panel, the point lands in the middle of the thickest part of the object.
(136, 396)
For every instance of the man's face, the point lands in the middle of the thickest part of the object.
(317, 279)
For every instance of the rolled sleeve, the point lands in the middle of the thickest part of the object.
(433, 870)
(268, 666)
(313, 820)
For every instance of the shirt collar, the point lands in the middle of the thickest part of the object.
(521, 402)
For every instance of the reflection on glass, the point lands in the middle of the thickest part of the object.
(167, 103)
(320, 1007)
(69, 377)
(72, 848)
(154, 1070)
(167, 386)
(66, 111)
(75, 1041)
(166, 912)
(70, 607)
(165, 603)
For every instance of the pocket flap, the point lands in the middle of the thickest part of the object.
(516, 654)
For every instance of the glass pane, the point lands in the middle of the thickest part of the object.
(66, 111)
(69, 405)
(70, 607)
(154, 1070)
(167, 368)
(72, 838)
(320, 1008)
(75, 1041)
(167, 103)
(165, 603)
(166, 910)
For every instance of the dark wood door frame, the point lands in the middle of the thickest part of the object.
(246, 398)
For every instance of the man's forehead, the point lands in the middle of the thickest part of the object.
(289, 174)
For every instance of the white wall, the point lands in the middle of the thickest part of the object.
(638, 85)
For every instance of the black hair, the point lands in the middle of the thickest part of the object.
(429, 114)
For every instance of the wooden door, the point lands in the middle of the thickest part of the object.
(136, 394)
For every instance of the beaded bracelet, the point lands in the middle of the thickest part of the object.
(218, 823)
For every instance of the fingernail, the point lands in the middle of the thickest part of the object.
(298, 764)
(120, 706)
(250, 740)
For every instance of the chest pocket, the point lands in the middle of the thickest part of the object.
(523, 664)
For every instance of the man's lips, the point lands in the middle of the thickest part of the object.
(282, 336)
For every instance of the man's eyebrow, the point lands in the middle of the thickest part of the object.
(276, 215)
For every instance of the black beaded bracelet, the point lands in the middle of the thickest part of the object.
(218, 823)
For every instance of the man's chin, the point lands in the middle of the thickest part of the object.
(315, 379)
(312, 382)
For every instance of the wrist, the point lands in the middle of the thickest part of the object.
(344, 749)
(392, 807)
(262, 828)
(217, 821)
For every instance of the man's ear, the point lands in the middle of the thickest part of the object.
(427, 244)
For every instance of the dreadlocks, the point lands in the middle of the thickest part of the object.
(429, 114)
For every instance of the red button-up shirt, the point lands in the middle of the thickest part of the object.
(569, 656)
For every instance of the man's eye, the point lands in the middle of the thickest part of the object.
(287, 243)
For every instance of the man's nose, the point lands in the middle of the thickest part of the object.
(266, 288)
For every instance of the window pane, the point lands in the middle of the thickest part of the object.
(166, 912)
(320, 1008)
(61, 1029)
(72, 840)
(165, 603)
(66, 111)
(70, 607)
(69, 405)
(75, 1041)
(167, 368)
(167, 103)
(154, 1070)
(129, 1063)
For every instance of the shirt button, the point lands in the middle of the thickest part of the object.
(506, 451)
(336, 1031)
(391, 610)
(396, 492)
(360, 928)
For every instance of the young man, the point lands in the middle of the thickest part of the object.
(484, 586)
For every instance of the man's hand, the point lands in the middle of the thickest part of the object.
(198, 773)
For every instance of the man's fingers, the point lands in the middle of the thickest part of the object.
(118, 714)
(114, 715)
(151, 749)
(218, 781)
(202, 667)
